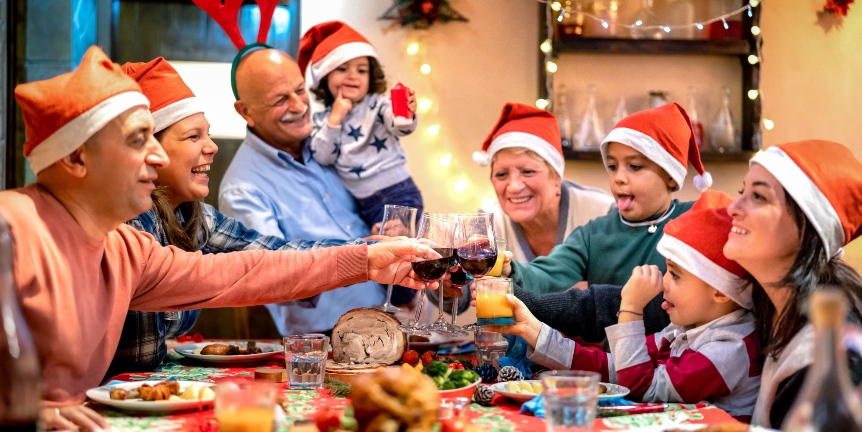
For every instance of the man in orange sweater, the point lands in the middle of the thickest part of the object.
(78, 269)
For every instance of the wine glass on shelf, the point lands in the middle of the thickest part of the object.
(438, 233)
(397, 221)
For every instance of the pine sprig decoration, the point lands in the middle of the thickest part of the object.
(483, 395)
(336, 387)
(488, 372)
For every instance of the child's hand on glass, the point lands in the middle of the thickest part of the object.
(526, 324)
(643, 286)
(340, 108)
(411, 102)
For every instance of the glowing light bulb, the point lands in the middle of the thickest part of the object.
(542, 104)
(666, 29)
(545, 46)
(425, 69)
(755, 30)
(433, 130)
(555, 6)
(768, 124)
(605, 24)
(754, 3)
(424, 104)
(753, 93)
(638, 23)
(413, 48)
(551, 67)
(560, 17)
(752, 59)
(446, 160)
(699, 26)
(461, 185)
(726, 26)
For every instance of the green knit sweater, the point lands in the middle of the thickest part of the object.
(604, 251)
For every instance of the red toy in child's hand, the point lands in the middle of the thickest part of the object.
(400, 108)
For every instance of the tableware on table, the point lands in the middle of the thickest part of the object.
(490, 346)
(397, 221)
(502, 388)
(192, 351)
(305, 357)
(437, 233)
(102, 395)
(477, 246)
(463, 392)
(245, 406)
(452, 407)
(492, 307)
(571, 398)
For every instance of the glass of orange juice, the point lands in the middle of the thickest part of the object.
(497, 270)
(492, 307)
(245, 406)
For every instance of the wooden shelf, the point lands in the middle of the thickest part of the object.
(652, 46)
(706, 157)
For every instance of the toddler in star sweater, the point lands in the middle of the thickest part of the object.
(357, 133)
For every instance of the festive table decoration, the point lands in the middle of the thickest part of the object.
(421, 14)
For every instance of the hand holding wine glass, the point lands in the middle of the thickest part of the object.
(397, 221)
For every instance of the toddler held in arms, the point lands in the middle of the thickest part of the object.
(357, 133)
(709, 350)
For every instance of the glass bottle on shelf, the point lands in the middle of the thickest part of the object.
(572, 24)
(590, 133)
(21, 377)
(722, 137)
(621, 113)
(827, 401)
(680, 14)
(696, 125)
(563, 113)
(646, 17)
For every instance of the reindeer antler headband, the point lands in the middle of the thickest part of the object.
(226, 16)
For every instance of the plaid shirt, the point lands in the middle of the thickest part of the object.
(142, 343)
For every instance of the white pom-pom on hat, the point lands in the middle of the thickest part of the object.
(482, 158)
(703, 181)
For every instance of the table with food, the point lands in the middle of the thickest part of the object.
(370, 379)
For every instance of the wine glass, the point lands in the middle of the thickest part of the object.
(495, 272)
(458, 278)
(438, 233)
(397, 221)
(477, 250)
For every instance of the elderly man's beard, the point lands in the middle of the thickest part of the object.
(291, 117)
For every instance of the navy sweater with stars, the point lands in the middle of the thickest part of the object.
(364, 150)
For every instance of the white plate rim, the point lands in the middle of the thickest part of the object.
(619, 391)
(276, 349)
(102, 395)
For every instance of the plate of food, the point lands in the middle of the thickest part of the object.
(525, 390)
(155, 396)
(229, 352)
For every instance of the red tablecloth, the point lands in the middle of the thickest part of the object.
(301, 405)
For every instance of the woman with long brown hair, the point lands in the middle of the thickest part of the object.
(800, 204)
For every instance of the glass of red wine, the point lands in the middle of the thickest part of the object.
(457, 278)
(477, 247)
(397, 221)
(438, 233)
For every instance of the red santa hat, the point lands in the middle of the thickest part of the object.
(524, 126)
(665, 136)
(825, 180)
(171, 100)
(63, 112)
(328, 45)
(695, 241)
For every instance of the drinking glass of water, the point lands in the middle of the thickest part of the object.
(305, 356)
(570, 399)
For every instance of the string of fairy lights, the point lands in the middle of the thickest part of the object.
(555, 7)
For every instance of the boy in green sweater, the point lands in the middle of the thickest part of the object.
(646, 155)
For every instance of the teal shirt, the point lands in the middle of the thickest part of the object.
(604, 251)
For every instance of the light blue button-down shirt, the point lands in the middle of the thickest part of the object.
(269, 191)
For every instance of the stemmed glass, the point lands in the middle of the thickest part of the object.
(477, 247)
(397, 221)
(439, 234)
(458, 278)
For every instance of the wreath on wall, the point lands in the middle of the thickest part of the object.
(421, 14)
(833, 14)
(838, 7)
